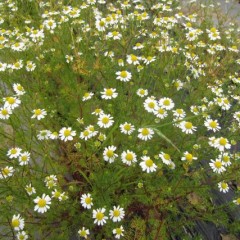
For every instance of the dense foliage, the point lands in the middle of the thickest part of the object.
(117, 119)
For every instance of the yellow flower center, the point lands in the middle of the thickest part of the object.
(213, 124)
(86, 133)
(213, 30)
(88, 200)
(19, 87)
(110, 153)
(5, 171)
(109, 92)
(127, 127)
(218, 164)
(179, 111)
(105, 120)
(129, 157)
(116, 213)
(145, 131)
(4, 112)
(118, 231)
(223, 141)
(24, 158)
(11, 100)
(38, 112)
(161, 111)
(57, 194)
(226, 158)
(15, 223)
(99, 216)
(133, 58)
(67, 133)
(188, 125)
(224, 185)
(226, 101)
(101, 23)
(83, 233)
(13, 151)
(166, 156)
(189, 157)
(151, 105)
(149, 163)
(123, 74)
(142, 91)
(166, 102)
(91, 128)
(42, 203)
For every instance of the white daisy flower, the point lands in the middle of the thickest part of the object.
(109, 93)
(223, 187)
(145, 133)
(42, 203)
(44, 135)
(187, 127)
(166, 158)
(188, 157)
(226, 158)
(237, 201)
(217, 166)
(53, 135)
(86, 134)
(133, 59)
(98, 111)
(179, 113)
(39, 113)
(67, 134)
(118, 232)
(138, 46)
(11, 102)
(142, 92)
(166, 103)
(6, 172)
(18, 89)
(98, 215)
(30, 190)
(128, 157)
(5, 113)
(24, 158)
(149, 59)
(222, 144)
(105, 121)
(115, 35)
(212, 125)
(150, 104)
(83, 232)
(117, 214)
(109, 155)
(101, 24)
(87, 96)
(22, 235)
(50, 24)
(124, 76)
(127, 128)
(148, 165)
(160, 112)
(86, 201)
(17, 222)
(14, 152)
